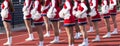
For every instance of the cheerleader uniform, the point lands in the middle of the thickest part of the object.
(75, 8)
(94, 4)
(105, 9)
(81, 14)
(27, 9)
(37, 19)
(54, 9)
(113, 7)
(45, 8)
(5, 11)
(69, 19)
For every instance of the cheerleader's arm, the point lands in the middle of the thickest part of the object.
(94, 4)
(115, 2)
(85, 8)
(36, 5)
(6, 5)
(68, 7)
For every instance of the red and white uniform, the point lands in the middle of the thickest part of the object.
(75, 7)
(45, 8)
(69, 19)
(5, 11)
(36, 12)
(113, 7)
(27, 9)
(94, 9)
(82, 13)
(54, 10)
(105, 9)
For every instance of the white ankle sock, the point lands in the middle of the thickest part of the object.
(9, 39)
(31, 35)
(41, 42)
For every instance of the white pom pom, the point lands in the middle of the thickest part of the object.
(93, 12)
(4, 13)
(37, 16)
(61, 14)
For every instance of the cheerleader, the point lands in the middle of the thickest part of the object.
(69, 20)
(6, 7)
(54, 18)
(27, 18)
(82, 21)
(77, 34)
(113, 12)
(95, 17)
(38, 19)
(105, 13)
(89, 21)
(44, 11)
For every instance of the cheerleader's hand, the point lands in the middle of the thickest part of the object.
(42, 8)
(67, 16)
(61, 14)
(74, 12)
(111, 7)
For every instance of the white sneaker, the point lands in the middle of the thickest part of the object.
(91, 29)
(115, 31)
(108, 35)
(56, 40)
(29, 39)
(85, 43)
(40, 43)
(60, 31)
(47, 34)
(76, 36)
(9, 42)
(96, 39)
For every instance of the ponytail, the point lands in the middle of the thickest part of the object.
(11, 7)
(88, 6)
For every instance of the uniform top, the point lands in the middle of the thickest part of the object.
(37, 5)
(5, 5)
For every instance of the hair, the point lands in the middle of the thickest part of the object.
(99, 2)
(42, 2)
(88, 5)
(72, 2)
(11, 7)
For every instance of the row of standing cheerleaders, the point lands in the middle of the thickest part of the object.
(74, 15)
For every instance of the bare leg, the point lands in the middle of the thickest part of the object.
(69, 31)
(107, 23)
(97, 31)
(40, 34)
(8, 32)
(77, 29)
(115, 24)
(91, 25)
(56, 32)
(85, 36)
(29, 28)
(47, 25)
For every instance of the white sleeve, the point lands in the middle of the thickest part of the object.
(68, 7)
(27, 3)
(94, 4)
(53, 3)
(105, 3)
(36, 5)
(6, 4)
(85, 8)
(75, 5)
(115, 2)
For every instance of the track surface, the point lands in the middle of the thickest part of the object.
(20, 36)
